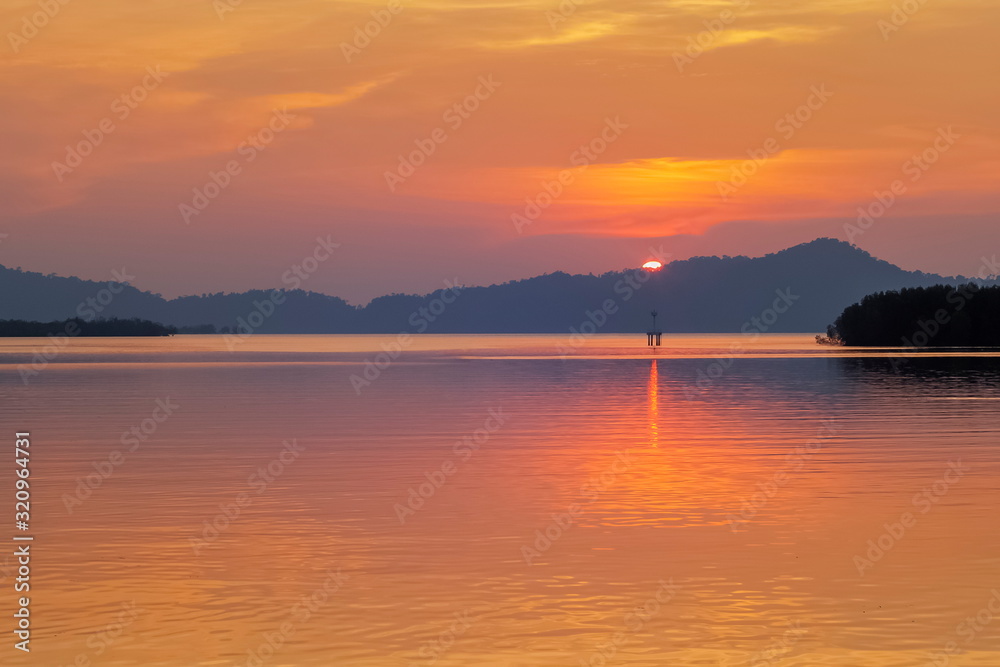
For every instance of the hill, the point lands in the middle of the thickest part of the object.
(811, 283)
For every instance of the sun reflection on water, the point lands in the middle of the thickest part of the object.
(652, 391)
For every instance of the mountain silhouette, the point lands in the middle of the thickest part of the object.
(812, 282)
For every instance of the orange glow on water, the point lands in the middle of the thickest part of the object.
(652, 391)
(696, 511)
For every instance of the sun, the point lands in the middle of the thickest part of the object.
(652, 265)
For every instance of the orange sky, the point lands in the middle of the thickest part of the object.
(560, 75)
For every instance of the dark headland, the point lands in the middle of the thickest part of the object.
(966, 315)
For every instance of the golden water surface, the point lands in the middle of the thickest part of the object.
(490, 500)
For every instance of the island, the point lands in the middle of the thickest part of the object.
(966, 315)
(97, 327)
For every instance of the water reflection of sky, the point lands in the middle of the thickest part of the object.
(657, 463)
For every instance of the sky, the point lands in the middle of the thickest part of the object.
(208, 146)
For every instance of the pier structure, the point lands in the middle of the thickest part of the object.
(654, 335)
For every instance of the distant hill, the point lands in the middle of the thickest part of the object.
(702, 294)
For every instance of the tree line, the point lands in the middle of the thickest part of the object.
(98, 327)
(966, 315)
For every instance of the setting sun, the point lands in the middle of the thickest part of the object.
(652, 265)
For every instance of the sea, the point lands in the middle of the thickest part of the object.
(501, 500)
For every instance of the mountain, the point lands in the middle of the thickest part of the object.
(812, 283)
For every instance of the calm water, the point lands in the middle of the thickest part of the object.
(709, 505)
